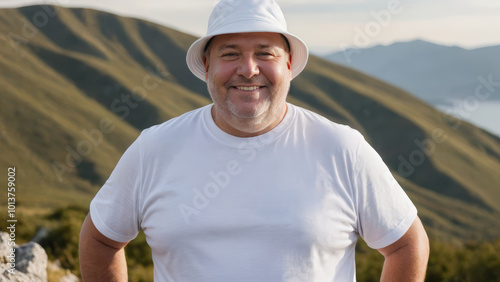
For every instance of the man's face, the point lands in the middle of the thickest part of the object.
(248, 77)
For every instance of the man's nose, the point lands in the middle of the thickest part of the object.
(248, 67)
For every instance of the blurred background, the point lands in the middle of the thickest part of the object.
(79, 80)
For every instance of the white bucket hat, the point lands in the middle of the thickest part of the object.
(242, 16)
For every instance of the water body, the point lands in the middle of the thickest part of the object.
(484, 114)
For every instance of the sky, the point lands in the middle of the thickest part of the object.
(331, 25)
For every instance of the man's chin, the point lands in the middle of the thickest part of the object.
(247, 115)
(247, 111)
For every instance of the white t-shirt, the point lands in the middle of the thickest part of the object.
(287, 205)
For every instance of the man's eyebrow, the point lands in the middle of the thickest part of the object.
(266, 46)
(227, 46)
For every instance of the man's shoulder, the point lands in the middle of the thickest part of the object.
(174, 130)
(318, 126)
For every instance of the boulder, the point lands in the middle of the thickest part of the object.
(30, 261)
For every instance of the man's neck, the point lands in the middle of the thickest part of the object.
(249, 127)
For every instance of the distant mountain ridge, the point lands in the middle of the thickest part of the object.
(432, 72)
(78, 85)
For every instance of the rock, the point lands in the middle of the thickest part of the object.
(30, 261)
(4, 247)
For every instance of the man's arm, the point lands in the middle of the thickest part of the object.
(406, 259)
(101, 259)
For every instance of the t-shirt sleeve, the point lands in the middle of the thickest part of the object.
(385, 212)
(114, 210)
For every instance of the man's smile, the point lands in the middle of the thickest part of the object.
(247, 88)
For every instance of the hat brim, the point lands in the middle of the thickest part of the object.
(298, 48)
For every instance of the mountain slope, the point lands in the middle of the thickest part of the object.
(78, 88)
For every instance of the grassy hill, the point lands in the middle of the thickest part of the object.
(78, 85)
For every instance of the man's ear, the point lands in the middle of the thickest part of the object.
(289, 64)
(205, 62)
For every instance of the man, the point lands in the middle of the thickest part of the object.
(251, 188)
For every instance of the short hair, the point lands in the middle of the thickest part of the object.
(287, 44)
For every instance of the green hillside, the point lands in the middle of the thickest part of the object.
(78, 85)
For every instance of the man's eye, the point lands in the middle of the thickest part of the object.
(229, 55)
(264, 54)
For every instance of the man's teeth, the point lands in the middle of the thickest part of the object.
(248, 88)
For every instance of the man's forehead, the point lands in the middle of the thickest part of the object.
(256, 39)
(235, 38)
(233, 45)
